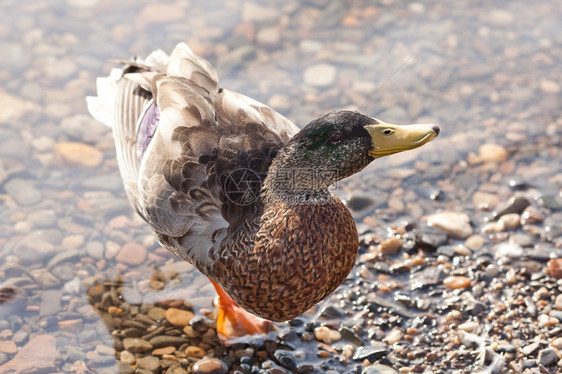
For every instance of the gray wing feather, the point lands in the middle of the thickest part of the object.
(170, 188)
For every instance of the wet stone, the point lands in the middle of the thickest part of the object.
(149, 363)
(8, 347)
(428, 238)
(530, 349)
(548, 357)
(508, 250)
(38, 355)
(210, 366)
(454, 224)
(446, 250)
(285, 359)
(555, 268)
(372, 353)
(178, 317)
(135, 345)
(506, 348)
(193, 351)
(326, 335)
(514, 205)
(457, 282)
(79, 154)
(43, 218)
(379, 369)
(558, 302)
(492, 153)
(350, 336)
(23, 191)
(551, 202)
(199, 324)
(44, 279)
(359, 202)
(132, 254)
(166, 340)
(320, 75)
(331, 312)
(50, 302)
(429, 276)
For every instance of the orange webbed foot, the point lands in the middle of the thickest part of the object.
(233, 321)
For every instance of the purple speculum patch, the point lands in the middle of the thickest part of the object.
(148, 123)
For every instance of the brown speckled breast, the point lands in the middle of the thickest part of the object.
(290, 259)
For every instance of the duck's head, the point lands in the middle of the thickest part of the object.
(342, 143)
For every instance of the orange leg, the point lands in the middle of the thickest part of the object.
(233, 321)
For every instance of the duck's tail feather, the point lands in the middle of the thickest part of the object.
(102, 106)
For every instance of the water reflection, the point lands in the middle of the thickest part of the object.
(487, 72)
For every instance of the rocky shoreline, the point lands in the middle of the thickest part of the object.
(459, 267)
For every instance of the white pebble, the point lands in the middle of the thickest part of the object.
(326, 335)
(320, 75)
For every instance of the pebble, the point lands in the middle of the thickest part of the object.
(320, 75)
(379, 369)
(371, 353)
(285, 359)
(516, 204)
(8, 346)
(484, 200)
(500, 17)
(210, 366)
(492, 153)
(493, 227)
(159, 13)
(555, 268)
(508, 250)
(136, 345)
(79, 154)
(95, 249)
(510, 221)
(167, 340)
(127, 357)
(40, 354)
(548, 357)
(269, 36)
(530, 349)
(44, 279)
(454, 224)
(132, 254)
(469, 326)
(13, 107)
(474, 242)
(557, 343)
(43, 218)
(178, 317)
(255, 12)
(193, 351)
(394, 336)
(391, 246)
(558, 302)
(550, 86)
(326, 335)
(149, 363)
(23, 191)
(456, 282)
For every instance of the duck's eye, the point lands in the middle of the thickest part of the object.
(387, 132)
(335, 136)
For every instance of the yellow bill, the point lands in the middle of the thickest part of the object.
(389, 139)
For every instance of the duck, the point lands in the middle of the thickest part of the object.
(238, 190)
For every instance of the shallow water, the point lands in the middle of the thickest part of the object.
(486, 72)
